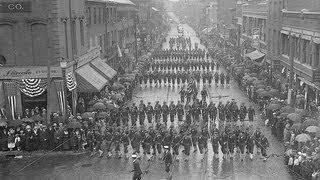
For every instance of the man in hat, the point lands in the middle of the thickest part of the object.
(264, 145)
(136, 168)
(251, 114)
(134, 113)
(172, 110)
(187, 143)
(165, 112)
(212, 109)
(180, 112)
(157, 111)
(215, 137)
(142, 114)
(149, 112)
(243, 113)
(125, 141)
(167, 158)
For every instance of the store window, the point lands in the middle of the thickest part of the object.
(94, 15)
(3, 60)
(89, 16)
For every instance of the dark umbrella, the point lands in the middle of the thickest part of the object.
(87, 115)
(284, 115)
(294, 117)
(3, 122)
(28, 120)
(99, 106)
(102, 115)
(287, 109)
(74, 125)
(310, 122)
(296, 126)
(117, 86)
(274, 106)
(15, 122)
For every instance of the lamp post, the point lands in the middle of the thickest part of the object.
(63, 65)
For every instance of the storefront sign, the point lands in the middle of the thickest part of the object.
(316, 76)
(28, 72)
(15, 7)
(255, 38)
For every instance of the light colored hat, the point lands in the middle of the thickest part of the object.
(299, 153)
(28, 127)
(134, 156)
(166, 147)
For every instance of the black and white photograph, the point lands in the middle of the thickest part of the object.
(159, 89)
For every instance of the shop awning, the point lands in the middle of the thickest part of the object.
(256, 56)
(104, 69)
(89, 80)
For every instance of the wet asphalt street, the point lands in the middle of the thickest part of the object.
(84, 167)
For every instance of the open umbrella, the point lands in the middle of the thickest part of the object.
(127, 84)
(274, 106)
(87, 115)
(284, 115)
(102, 115)
(74, 125)
(116, 96)
(301, 112)
(313, 129)
(260, 86)
(310, 122)
(99, 106)
(3, 122)
(265, 94)
(110, 106)
(287, 109)
(294, 117)
(15, 122)
(303, 138)
(274, 91)
(37, 118)
(260, 91)
(28, 120)
(117, 86)
(296, 126)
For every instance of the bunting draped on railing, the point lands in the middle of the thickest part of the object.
(31, 87)
(71, 83)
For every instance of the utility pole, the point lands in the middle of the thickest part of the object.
(291, 59)
(48, 67)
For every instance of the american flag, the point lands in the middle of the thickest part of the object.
(191, 86)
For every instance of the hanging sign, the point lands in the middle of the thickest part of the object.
(15, 7)
(29, 72)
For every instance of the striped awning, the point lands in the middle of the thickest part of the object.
(89, 80)
(104, 69)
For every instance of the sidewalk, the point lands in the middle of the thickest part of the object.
(21, 154)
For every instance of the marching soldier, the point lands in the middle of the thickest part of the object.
(142, 114)
(147, 145)
(180, 112)
(204, 93)
(216, 78)
(227, 79)
(149, 112)
(251, 114)
(135, 143)
(224, 144)
(202, 143)
(243, 113)
(124, 111)
(117, 139)
(172, 109)
(158, 142)
(176, 143)
(212, 112)
(134, 114)
(125, 141)
(222, 79)
(194, 137)
(221, 112)
(108, 137)
(187, 143)
(215, 141)
(136, 168)
(250, 146)
(167, 140)
(242, 143)
(165, 112)
(264, 145)
(182, 94)
(157, 111)
(167, 158)
(257, 137)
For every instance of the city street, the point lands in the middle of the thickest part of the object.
(84, 167)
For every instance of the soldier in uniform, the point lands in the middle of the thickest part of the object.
(158, 141)
(182, 94)
(228, 112)
(221, 113)
(212, 112)
(194, 137)
(204, 93)
(202, 144)
(108, 137)
(176, 143)
(136, 168)
(187, 143)
(264, 145)
(134, 114)
(242, 140)
(142, 114)
(116, 140)
(224, 144)
(243, 113)
(172, 109)
(165, 112)
(147, 145)
(235, 111)
(145, 79)
(149, 112)
(215, 137)
(250, 145)
(257, 137)
(228, 79)
(157, 111)
(167, 158)
(125, 141)
(124, 111)
(251, 114)
(135, 142)
(180, 112)
(196, 111)
(205, 112)
(222, 79)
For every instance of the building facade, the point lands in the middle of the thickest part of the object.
(300, 46)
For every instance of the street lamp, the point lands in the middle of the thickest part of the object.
(63, 65)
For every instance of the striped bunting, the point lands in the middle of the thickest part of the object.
(71, 83)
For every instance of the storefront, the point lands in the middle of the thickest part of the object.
(25, 90)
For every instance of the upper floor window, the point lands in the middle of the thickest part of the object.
(99, 13)
(89, 16)
(94, 15)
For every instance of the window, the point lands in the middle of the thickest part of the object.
(6, 44)
(269, 40)
(74, 37)
(94, 16)
(100, 43)
(108, 16)
(104, 42)
(304, 49)
(99, 15)
(285, 44)
(89, 16)
(39, 43)
(81, 33)
(108, 39)
(274, 42)
(103, 16)
(66, 39)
